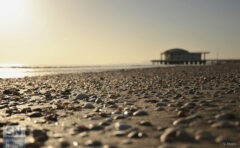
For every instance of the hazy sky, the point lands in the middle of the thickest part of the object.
(85, 32)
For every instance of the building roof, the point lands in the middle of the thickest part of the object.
(176, 50)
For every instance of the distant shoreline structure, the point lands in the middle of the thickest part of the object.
(178, 56)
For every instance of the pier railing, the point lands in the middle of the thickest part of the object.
(212, 61)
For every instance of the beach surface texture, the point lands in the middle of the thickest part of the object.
(168, 107)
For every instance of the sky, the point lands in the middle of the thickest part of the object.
(100, 32)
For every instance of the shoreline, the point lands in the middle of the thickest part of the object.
(147, 107)
(95, 71)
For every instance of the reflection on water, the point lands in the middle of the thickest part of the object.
(37, 71)
(15, 72)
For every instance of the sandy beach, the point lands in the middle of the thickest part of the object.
(168, 107)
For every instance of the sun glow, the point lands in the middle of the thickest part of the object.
(12, 11)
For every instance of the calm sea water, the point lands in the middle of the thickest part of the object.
(19, 72)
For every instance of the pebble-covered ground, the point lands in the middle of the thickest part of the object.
(174, 107)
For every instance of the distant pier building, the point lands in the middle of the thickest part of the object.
(181, 56)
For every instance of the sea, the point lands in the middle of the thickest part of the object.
(29, 71)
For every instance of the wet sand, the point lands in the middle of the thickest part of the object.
(150, 108)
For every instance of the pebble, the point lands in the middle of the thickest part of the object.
(80, 128)
(83, 134)
(98, 100)
(127, 113)
(93, 143)
(82, 96)
(140, 113)
(175, 134)
(113, 106)
(109, 146)
(151, 101)
(88, 106)
(52, 117)
(95, 127)
(223, 124)
(35, 115)
(181, 114)
(126, 142)
(133, 134)
(161, 104)
(203, 135)
(118, 117)
(40, 135)
(91, 99)
(160, 109)
(165, 146)
(136, 134)
(26, 110)
(224, 139)
(2, 106)
(119, 133)
(122, 126)
(145, 123)
(64, 143)
(180, 121)
(106, 122)
(186, 119)
(225, 116)
(75, 143)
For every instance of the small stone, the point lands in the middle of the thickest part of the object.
(37, 109)
(83, 134)
(186, 120)
(203, 135)
(113, 106)
(223, 124)
(40, 135)
(118, 117)
(26, 110)
(151, 101)
(122, 126)
(127, 113)
(133, 134)
(64, 143)
(225, 139)
(181, 114)
(180, 121)
(119, 133)
(160, 109)
(80, 128)
(53, 117)
(140, 113)
(106, 122)
(104, 114)
(225, 116)
(75, 143)
(93, 143)
(126, 142)
(88, 106)
(91, 99)
(175, 134)
(81, 96)
(95, 127)
(109, 146)
(35, 115)
(112, 96)
(98, 100)
(161, 104)
(160, 128)
(116, 112)
(165, 146)
(145, 123)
